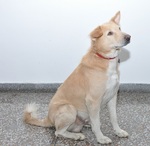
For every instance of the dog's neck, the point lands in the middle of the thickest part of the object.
(107, 58)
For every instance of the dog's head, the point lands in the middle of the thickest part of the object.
(108, 38)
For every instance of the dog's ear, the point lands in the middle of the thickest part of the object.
(116, 18)
(96, 33)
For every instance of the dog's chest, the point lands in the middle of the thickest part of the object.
(112, 82)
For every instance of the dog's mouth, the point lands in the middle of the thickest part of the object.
(126, 41)
(118, 47)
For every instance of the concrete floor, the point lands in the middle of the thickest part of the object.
(133, 111)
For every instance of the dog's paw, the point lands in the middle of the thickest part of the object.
(79, 136)
(104, 140)
(121, 133)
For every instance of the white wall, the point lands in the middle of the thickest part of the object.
(42, 41)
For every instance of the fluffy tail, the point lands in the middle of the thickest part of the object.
(30, 116)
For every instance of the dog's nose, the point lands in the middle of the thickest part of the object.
(127, 38)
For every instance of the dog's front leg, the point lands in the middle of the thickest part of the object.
(113, 118)
(94, 110)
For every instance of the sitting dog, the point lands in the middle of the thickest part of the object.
(93, 84)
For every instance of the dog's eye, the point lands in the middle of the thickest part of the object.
(110, 33)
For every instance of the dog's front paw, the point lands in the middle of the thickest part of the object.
(121, 133)
(104, 140)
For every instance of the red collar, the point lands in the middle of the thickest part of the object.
(101, 56)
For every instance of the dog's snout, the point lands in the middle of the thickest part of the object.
(127, 38)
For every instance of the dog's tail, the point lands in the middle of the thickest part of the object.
(30, 116)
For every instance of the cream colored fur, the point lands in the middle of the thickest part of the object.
(92, 85)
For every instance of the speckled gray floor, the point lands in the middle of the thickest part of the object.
(133, 111)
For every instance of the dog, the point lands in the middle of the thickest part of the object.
(93, 84)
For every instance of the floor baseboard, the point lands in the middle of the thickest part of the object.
(52, 87)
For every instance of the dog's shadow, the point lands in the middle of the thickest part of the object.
(124, 55)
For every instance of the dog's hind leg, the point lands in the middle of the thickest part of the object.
(71, 135)
(64, 119)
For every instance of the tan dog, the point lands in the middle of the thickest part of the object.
(93, 84)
